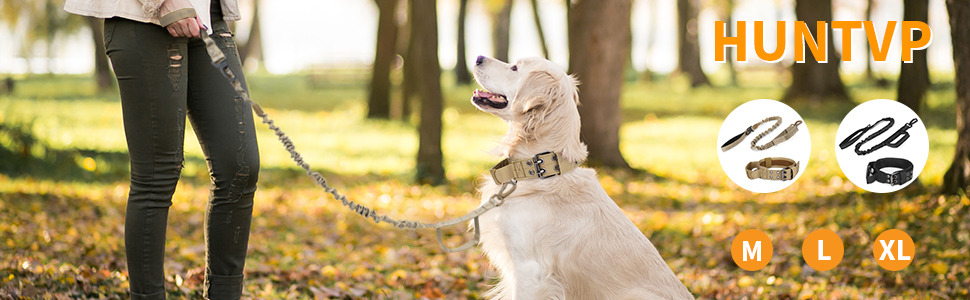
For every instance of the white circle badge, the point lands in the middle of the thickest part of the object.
(881, 146)
(771, 162)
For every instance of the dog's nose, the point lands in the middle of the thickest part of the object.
(479, 60)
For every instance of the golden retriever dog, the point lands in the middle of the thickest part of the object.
(560, 237)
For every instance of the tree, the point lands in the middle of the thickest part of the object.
(500, 30)
(599, 44)
(379, 100)
(423, 61)
(914, 77)
(539, 31)
(730, 28)
(811, 80)
(102, 70)
(253, 48)
(869, 76)
(689, 60)
(651, 39)
(44, 19)
(461, 67)
(957, 177)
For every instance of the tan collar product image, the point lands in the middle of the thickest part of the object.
(780, 147)
(772, 168)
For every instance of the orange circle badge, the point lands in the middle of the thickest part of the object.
(822, 250)
(751, 249)
(894, 250)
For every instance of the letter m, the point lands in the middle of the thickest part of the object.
(749, 252)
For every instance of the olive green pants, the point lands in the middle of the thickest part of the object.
(162, 80)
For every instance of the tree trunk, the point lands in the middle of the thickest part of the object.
(402, 108)
(869, 76)
(253, 48)
(102, 70)
(957, 178)
(690, 52)
(651, 39)
(542, 34)
(599, 44)
(462, 77)
(730, 50)
(811, 80)
(500, 31)
(914, 78)
(379, 101)
(423, 58)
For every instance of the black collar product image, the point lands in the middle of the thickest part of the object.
(874, 171)
(783, 136)
(772, 168)
(894, 141)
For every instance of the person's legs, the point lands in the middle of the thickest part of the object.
(223, 121)
(149, 65)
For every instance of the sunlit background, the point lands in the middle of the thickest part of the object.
(303, 35)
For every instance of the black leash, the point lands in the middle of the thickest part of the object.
(894, 141)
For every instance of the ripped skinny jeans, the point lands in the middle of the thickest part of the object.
(162, 80)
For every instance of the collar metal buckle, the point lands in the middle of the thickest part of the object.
(899, 177)
(786, 174)
(538, 163)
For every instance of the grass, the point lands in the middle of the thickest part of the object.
(63, 185)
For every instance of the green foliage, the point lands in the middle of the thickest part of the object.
(61, 232)
(44, 20)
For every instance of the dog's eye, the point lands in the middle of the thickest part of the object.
(515, 68)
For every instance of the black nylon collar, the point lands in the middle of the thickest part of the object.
(903, 175)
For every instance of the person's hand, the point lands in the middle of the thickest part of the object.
(189, 26)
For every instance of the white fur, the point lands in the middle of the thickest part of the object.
(561, 237)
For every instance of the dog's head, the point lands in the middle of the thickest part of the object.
(537, 98)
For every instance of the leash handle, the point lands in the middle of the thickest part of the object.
(463, 247)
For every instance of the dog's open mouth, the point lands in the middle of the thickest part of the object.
(483, 98)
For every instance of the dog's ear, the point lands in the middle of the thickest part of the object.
(535, 97)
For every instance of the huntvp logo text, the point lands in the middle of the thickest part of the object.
(818, 43)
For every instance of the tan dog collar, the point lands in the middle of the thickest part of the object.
(542, 166)
(772, 168)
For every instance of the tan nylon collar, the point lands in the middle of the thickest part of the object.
(542, 165)
(772, 168)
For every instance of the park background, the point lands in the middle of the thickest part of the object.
(336, 84)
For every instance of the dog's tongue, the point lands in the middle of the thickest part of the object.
(490, 96)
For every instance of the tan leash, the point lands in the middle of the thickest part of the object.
(506, 189)
(783, 136)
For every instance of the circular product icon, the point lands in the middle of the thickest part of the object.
(822, 249)
(763, 146)
(881, 146)
(751, 249)
(894, 250)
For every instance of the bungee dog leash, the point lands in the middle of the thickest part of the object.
(894, 141)
(541, 166)
(783, 136)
